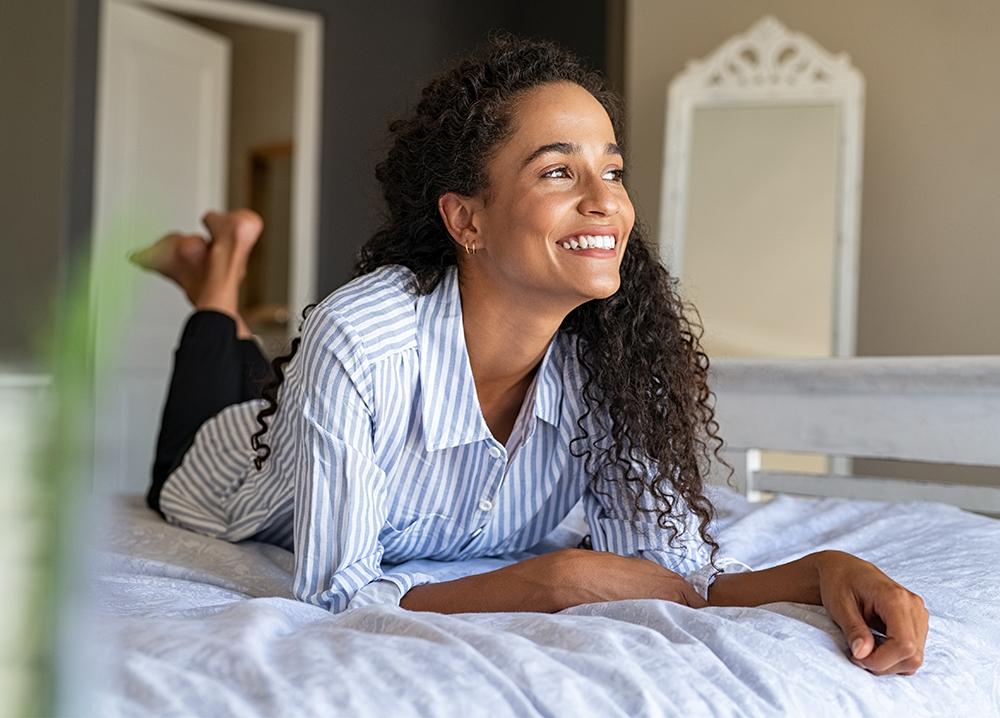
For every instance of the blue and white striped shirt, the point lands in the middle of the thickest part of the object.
(381, 454)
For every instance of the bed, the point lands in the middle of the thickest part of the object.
(182, 624)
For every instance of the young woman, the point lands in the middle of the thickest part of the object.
(509, 347)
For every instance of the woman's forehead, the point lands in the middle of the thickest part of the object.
(560, 117)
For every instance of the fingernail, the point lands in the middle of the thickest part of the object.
(856, 646)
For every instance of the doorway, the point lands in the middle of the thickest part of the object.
(260, 167)
(264, 144)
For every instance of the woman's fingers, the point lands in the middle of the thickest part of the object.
(692, 598)
(860, 640)
(854, 593)
(683, 592)
(655, 581)
(892, 657)
(906, 623)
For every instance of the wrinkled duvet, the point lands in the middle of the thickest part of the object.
(185, 625)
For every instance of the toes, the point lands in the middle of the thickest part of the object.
(159, 255)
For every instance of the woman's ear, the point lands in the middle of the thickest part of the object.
(459, 215)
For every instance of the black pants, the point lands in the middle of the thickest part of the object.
(213, 369)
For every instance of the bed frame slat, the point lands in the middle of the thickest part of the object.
(932, 409)
(985, 499)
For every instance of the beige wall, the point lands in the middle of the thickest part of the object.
(930, 234)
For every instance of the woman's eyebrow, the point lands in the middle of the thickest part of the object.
(569, 148)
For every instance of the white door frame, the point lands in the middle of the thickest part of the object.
(308, 30)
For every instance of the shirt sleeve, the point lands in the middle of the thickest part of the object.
(339, 489)
(614, 527)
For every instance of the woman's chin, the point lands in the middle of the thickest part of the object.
(605, 287)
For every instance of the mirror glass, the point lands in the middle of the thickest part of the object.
(760, 237)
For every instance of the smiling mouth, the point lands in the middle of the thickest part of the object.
(589, 241)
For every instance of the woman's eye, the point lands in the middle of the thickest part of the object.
(615, 175)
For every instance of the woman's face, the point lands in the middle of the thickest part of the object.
(555, 219)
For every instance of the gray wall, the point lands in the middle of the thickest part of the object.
(35, 107)
(930, 234)
(377, 55)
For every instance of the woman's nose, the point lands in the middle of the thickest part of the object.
(598, 198)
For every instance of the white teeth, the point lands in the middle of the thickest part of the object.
(587, 241)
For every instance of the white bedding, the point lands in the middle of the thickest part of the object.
(189, 625)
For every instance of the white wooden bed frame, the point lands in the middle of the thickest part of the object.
(933, 409)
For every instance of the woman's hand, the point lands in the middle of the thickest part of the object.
(855, 593)
(552, 582)
(582, 576)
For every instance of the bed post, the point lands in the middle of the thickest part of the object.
(745, 463)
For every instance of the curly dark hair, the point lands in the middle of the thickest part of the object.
(645, 373)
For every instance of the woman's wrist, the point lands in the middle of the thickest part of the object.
(797, 581)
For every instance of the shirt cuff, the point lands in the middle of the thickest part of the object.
(704, 577)
(388, 589)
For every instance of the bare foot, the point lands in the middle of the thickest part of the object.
(180, 257)
(234, 235)
(210, 272)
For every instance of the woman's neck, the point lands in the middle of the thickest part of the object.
(505, 349)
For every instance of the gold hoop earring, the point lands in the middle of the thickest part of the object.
(470, 251)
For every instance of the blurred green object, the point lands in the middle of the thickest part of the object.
(46, 479)
(24, 519)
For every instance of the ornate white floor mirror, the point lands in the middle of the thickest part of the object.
(760, 213)
(760, 210)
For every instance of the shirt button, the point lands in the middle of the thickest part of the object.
(494, 452)
(485, 505)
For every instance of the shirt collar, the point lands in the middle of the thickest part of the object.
(549, 393)
(449, 406)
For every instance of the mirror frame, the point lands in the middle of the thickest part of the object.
(769, 65)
